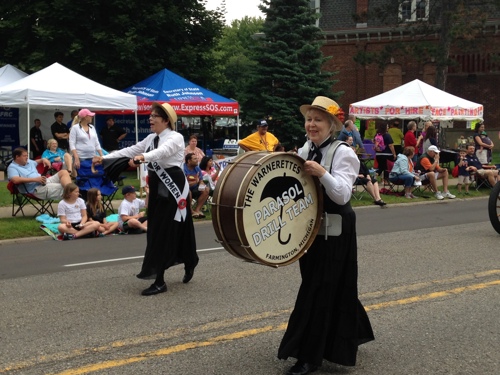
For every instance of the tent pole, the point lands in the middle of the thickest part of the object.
(238, 128)
(136, 142)
(28, 128)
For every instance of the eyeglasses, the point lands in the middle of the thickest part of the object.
(154, 116)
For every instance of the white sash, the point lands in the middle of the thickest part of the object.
(180, 197)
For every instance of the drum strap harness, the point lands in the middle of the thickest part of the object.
(331, 223)
(180, 197)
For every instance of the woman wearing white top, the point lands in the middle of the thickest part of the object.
(328, 321)
(83, 140)
(170, 235)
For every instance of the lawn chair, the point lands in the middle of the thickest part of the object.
(393, 186)
(359, 189)
(87, 179)
(369, 155)
(21, 200)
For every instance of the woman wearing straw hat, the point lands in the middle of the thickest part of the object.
(170, 236)
(328, 321)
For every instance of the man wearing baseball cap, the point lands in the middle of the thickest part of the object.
(428, 164)
(261, 140)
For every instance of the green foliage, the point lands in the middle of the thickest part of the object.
(289, 69)
(114, 42)
(233, 58)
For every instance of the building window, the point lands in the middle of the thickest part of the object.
(315, 4)
(413, 10)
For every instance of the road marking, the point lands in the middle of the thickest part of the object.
(252, 332)
(223, 338)
(120, 259)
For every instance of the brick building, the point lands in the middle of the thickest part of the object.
(351, 36)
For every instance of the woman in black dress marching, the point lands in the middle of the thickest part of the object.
(170, 235)
(328, 321)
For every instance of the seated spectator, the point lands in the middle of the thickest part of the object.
(403, 171)
(197, 188)
(191, 148)
(463, 172)
(96, 212)
(57, 155)
(22, 172)
(350, 130)
(210, 172)
(73, 215)
(370, 183)
(488, 172)
(428, 165)
(130, 217)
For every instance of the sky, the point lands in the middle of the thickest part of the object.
(237, 9)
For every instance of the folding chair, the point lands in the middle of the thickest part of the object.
(369, 155)
(479, 181)
(358, 189)
(86, 180)
(393, 186)
(22, 200)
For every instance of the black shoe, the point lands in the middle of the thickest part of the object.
(145, 276)
(154, 289)
(380, 203)
(301, 368)
(188, 275)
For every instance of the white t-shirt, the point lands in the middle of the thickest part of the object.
(72, 211)
(129, 209)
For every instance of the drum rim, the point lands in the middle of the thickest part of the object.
(244, 247)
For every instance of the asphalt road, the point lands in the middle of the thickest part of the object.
(429, 276)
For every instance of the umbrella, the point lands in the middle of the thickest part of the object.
(115, 167)
(275, 189)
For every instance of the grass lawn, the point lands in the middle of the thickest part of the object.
(16, 227)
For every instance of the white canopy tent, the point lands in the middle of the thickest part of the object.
(59, 88)
(417, 99)
(9, 74)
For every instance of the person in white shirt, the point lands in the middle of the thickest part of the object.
(130, 217)
(83, 141)
(170, 236)
(72, 212)
(328, 321)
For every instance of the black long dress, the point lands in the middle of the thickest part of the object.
(169, 242)
(328, 321)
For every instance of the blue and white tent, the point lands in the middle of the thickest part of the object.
(187, 98)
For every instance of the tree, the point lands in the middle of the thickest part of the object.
(457, 22)
(289, 69)
(114, 42)
(234, 58)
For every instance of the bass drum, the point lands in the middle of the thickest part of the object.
(266, 209)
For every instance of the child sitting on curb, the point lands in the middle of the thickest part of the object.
(130, 219)
(73, 215)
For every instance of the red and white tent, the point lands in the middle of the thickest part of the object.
(417, 99)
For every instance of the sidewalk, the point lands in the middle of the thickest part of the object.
(6, 212)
